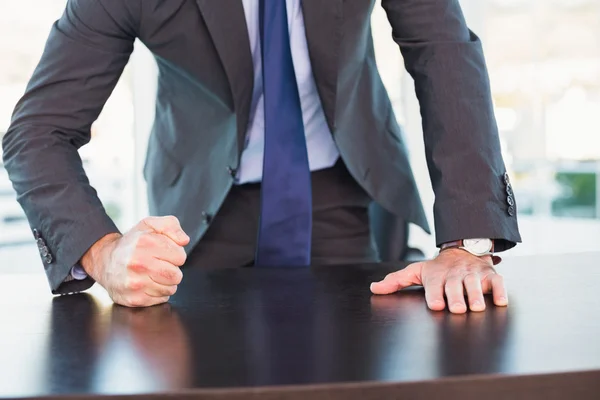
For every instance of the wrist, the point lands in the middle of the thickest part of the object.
(457, 252)
(461, 251)
(92, 258)
(477, 247)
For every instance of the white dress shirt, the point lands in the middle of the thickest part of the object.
(322, 151)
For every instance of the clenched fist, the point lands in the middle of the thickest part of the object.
(141, 267)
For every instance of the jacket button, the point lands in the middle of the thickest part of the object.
(232, 171)
(510, 201)
(48, 259)
(511, 211)
(44, 251)
(506, 179)
(36, 234)
(509, 190)
(206, 217)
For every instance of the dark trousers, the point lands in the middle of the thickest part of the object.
(341, 231)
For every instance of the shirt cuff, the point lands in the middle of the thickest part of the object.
(78, 273)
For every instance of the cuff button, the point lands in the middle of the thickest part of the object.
(511, 211)
(207, 218)
(232, 171)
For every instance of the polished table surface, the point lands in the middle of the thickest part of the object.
(307, 333)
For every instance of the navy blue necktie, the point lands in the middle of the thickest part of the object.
(284, 235)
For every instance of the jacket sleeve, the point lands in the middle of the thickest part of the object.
(85, 54)
(473, 196)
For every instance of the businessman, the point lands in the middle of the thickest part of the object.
(273, 133)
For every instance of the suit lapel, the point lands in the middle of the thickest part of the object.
(323, 22)
(226, 23)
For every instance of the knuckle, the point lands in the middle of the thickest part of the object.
(452, 283)
(160, 242)
(433, 278)
(178, 277)
(453, 279)
(468, 269)
(391, 275)
(164, 291)
(137, 301)
(147, 221)
(145, 240)
(171, 290)
(134, 285)
(167, 274)
(171, 220)
(165, 244)
(136, 265)
(180, 257)
(471, 278)
(433, 281)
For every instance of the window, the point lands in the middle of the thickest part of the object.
(546, 81)
(544, 63)
(24, 27)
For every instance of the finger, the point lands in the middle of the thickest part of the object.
(455, 295)
(498, 290)
(164, 273)
(154, 289)
(163, 248)
(486, 283)
(136, 286)
(434, 294)
(140, 301)
(168, 226)
(474, 291)
(154, 301)
(396, 281)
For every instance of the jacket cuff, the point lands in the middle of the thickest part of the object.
(78, 238)
(491, 222)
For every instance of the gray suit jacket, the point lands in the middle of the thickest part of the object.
(203, 103)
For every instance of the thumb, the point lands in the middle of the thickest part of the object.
(396, 281)
(168, 226)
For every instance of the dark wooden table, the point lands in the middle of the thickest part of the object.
(313, 333)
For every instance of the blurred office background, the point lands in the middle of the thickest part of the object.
(544, 61)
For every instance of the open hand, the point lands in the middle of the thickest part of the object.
(453, 272)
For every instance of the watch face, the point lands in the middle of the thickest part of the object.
(478, 246)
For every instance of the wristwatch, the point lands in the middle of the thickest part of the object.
(477, 247)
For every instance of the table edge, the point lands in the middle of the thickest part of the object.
(584, 384)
